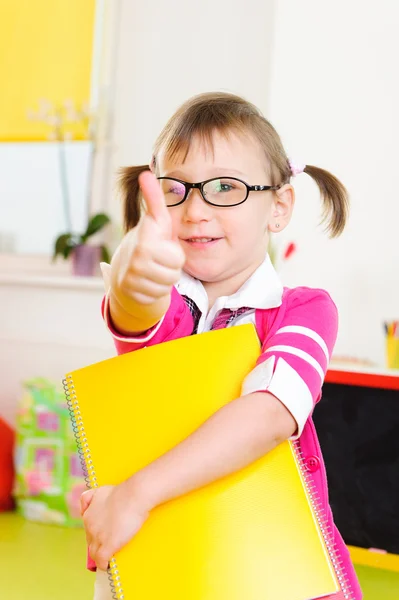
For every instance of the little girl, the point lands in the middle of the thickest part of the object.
(195, 259)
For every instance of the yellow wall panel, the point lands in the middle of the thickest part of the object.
(45, 52)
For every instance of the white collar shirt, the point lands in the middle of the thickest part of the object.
(262, 290)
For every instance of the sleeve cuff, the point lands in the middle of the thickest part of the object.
(285, 384)
(144, 337)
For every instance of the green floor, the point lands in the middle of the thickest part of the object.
(42, 562)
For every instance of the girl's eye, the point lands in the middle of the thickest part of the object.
(176, 189)
(225, 187)
(222, 186)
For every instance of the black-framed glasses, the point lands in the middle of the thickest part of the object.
(219, 191)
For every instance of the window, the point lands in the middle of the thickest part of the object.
(46, 67)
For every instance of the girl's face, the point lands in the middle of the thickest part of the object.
(225, 245)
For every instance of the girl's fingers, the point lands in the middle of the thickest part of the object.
(100, 556)
(169, 254)
(85, 500)
(155, 273)
(150, 289)
(106, 274)
(155, 202)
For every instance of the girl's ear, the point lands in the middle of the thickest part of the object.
(282, 207)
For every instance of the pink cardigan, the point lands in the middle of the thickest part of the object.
(302, 309)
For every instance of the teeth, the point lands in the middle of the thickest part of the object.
(202, 240)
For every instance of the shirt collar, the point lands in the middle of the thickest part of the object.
(262, 290)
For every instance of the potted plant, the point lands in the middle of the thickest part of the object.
(68, 121)
(85, 257)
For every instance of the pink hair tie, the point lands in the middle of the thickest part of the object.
(296, 168)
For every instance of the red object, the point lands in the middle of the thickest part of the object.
(7, 437)
(291, 248)
(374, 380)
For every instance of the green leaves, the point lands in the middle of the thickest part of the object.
(66, 242)
(96, 223)
(105, 255)
(63, 245)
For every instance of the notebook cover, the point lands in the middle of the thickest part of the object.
(251, 535)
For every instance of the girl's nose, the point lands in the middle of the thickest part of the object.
(196, 209)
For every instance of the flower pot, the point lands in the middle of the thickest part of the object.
(86, 260)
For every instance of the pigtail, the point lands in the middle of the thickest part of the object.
(131, 195)
(335, 199)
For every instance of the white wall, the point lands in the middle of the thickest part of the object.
(48, 326)
(334, 97)
(169, 51)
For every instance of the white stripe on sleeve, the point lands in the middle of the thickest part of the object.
(309, 333)
(289, 387)
(259, 378)
(301, 354)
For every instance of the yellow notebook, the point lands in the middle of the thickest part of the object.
(253, 535)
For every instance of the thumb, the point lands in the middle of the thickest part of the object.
(155, 202)
(85, 500)
(106, 273)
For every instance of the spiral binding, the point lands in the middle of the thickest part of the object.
(88, 469)
(325, 529)
(115, 580)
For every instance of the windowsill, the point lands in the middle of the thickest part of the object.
(365, 370)
(51, 281)
(39, 271)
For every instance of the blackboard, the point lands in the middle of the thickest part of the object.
(358, 429)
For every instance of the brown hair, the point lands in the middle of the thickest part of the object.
(204, 114)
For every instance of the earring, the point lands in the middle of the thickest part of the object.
(277, 225)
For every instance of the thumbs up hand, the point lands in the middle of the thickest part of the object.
(146, 265)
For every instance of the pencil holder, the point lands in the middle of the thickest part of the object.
(392, 344)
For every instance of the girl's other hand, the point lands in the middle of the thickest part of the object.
(112, 516)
